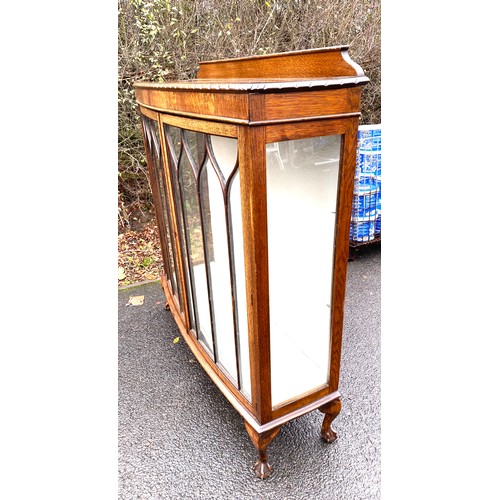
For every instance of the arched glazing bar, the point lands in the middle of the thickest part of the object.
(191, 157)
(160, 171)
(183, 174)
(211, 187)
(202, 170)
(173, 148)
(157, 203)
(225, 185)
(157, 172)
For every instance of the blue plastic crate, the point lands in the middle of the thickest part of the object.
(362, 231)
(364, 201)
(368, 163)
(367, 196)
(365, 184)
(378, 224)
(370, 138)
(378, 182)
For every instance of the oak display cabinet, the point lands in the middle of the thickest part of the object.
(252, 168)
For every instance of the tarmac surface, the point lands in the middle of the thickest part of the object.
(180, 438)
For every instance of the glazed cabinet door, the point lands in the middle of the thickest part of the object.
(205, 186)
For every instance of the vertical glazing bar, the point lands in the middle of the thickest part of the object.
(166, 169)
(181, 227)
(206, 253)
(179, 223)
(252, 156)
(163, 182)
(188, 243)
(232, 273)
(157, 202)
(197, 172)
(225, 188)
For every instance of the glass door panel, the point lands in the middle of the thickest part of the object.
(165, 221)
(302, 177)
(206, 190)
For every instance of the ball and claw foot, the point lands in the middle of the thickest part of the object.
(329, 435)
(331, 411)
(262, 469)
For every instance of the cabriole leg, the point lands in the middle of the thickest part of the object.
(331, 411)
(262, 469)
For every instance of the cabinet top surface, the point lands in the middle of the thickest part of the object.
(307, 69)
(252, 85)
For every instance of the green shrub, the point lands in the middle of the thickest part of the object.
(162, 40)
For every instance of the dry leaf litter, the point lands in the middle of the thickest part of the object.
(139, 255)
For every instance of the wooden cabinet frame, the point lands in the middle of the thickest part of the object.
(250, 100)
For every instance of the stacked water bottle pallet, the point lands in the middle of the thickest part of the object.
(366, 204)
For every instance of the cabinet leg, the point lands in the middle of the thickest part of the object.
(331, 411)
(261, 468)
